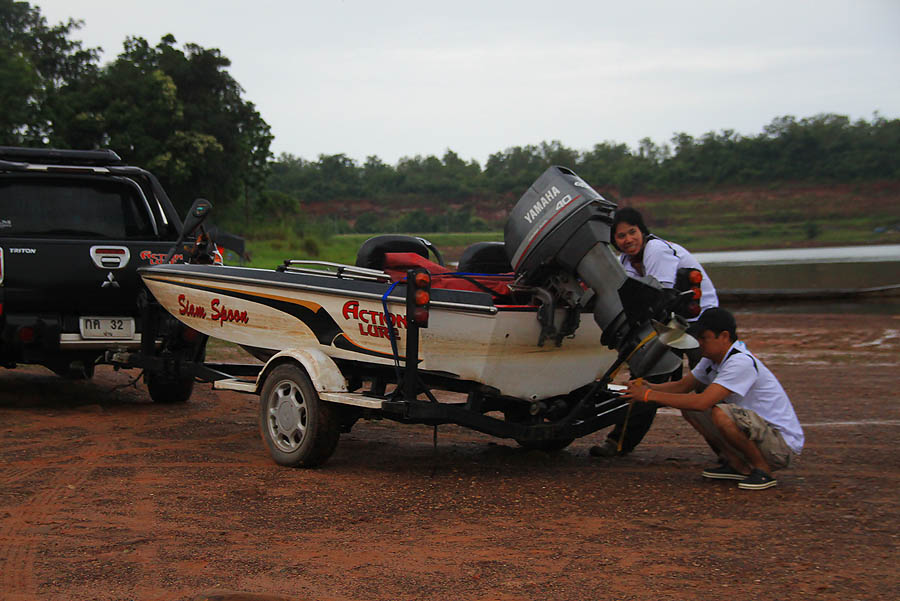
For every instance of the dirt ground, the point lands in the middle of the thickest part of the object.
(105, 495)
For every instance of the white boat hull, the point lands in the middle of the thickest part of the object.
(492, 345)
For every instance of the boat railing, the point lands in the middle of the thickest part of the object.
(336, 270)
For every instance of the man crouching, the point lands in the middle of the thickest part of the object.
(743, 412)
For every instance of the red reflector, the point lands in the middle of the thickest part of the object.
(422, 297)
(1, 308)
(420, 316)
(697, 294)
(422, 280)
(694, 309)
(110, 251)
(26, 334)
(696, 277)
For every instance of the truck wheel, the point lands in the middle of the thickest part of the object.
(299, 429)
(166, 390)
(557, 444)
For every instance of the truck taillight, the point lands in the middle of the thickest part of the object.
(26, 334)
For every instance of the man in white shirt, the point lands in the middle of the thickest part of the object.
(743, 412)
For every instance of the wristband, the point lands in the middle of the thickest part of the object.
(646, 395)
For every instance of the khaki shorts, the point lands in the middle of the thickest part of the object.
(767, 439)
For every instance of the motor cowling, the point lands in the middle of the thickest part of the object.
(561, 228)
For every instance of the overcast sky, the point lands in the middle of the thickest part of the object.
(400, 78)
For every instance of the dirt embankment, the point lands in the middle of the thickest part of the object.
(104, 495)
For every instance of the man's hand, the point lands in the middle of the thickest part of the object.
(637, 390)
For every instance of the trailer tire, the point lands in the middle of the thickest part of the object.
(550, 446)
(299, 429)
(167, 390)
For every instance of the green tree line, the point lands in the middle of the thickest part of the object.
(822, 148)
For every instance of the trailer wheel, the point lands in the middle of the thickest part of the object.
(557, 444)
(299, 429)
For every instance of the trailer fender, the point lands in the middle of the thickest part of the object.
(324, 373)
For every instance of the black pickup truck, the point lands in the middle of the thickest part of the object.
(75, 225)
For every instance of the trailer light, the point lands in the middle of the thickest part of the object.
(697, 294)
(418, 296)
(695, 276)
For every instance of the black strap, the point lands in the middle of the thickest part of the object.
(666, 242)
(734, 351)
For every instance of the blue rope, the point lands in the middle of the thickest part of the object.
(393, 338)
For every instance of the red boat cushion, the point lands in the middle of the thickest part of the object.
(396, 265)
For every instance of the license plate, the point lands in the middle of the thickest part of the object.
(107, 327)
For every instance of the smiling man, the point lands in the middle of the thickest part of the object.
(743, 412)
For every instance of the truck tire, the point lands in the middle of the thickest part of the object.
(167, 390)
(298, 428)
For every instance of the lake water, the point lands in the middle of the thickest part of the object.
(810, 268)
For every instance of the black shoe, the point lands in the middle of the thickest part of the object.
(758, 480)
(608, 448)
(723, 471)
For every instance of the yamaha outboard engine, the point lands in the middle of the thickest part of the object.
(559, 233)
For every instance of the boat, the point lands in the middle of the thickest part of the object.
(531, 330)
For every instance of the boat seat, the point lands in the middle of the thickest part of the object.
(371, 253)
(485, 257)
(397, 264)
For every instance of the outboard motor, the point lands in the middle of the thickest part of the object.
(559, 233)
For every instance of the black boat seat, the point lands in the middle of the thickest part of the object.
(371, 253)
(485, 257)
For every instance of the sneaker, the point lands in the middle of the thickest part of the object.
(723, 471)
(608, 448)
(758, 480)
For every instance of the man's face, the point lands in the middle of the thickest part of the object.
(714, 346)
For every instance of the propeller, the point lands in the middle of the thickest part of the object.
(674, 334)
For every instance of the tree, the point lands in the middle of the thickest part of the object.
(176, 112)
(37, 62)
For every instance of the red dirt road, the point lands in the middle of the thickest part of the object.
(104, 495)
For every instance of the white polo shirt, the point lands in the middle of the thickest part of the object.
(663, 259)
(753, 387)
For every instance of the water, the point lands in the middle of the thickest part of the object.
(889, 253)
(852, 267)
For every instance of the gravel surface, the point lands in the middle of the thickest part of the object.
(105, 495)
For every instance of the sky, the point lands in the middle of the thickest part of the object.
(399, 78)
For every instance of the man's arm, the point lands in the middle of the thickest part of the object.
(686, 384)
(677, 396)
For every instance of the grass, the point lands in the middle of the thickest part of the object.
(752, 218)
(341, 248)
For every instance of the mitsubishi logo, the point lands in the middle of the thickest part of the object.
(110, 282)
